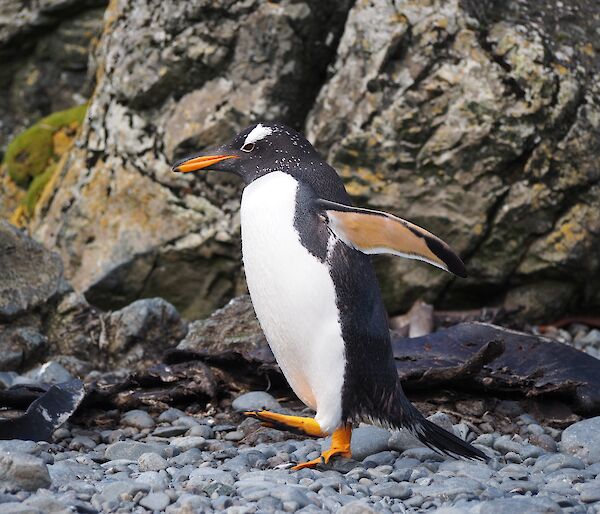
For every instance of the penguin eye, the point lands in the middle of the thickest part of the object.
(248, 147)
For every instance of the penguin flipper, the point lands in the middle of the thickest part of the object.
(374, 232)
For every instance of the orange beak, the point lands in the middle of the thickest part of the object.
(197, 163)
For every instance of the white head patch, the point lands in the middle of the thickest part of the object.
(257, 133)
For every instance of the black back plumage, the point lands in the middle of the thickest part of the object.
(372, 390)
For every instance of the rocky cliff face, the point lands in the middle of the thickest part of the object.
(44, 49)
(172, 78)
(477, 120)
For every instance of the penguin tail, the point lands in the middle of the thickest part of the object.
(405, 415)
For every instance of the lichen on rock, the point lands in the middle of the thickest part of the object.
(32, 157)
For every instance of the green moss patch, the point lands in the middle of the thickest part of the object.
(35, 189)
(31, 153)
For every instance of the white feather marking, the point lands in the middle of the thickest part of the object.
(331, 246)
(293, 296)
(257, 133)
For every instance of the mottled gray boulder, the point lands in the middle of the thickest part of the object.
(21, 346)
(230, 332)
(143, 330)
(29, 274)
(477, 121)
(172, 79)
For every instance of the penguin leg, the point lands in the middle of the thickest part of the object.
(296, 424)
(340, 445)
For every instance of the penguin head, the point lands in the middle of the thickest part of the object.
(254, 152)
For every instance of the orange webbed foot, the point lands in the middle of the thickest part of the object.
(296, 424)
(340, 445)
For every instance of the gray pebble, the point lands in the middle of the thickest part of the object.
(131, 450)
(236, 435)
(537, 505)
(137, 419)
(544, 441)
(269, 504)
(423, 454)
(441, 419)
(23, 471)
(552, 461)
(290, 494)
(379, 459)
(202, 431)
(582, 439)
(505, 444)
(170, 415)
(392, 490)
(592, 338)
(255, 400)
(155, 501)
(16, 445)
(156, 480)
(185, 443)
(356, 507)
(151, 462)
(112, 493)
(18, 508)
(171, 431)
(193, 456)
(82, 443)
(486, 440)
(589, 492)
(186, 421)
(401, 440)
(200, 475)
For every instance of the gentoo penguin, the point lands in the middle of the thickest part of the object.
(306, 256)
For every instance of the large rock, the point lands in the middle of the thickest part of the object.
(476, 120)
(170, 79)
(231, 332)
(40, 315)
(143, 330)
(30, 275)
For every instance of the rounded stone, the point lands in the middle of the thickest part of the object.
(582, 439)
(255, 400)
(151, 462)
(356, 507)
(137, 419)
(156, 502)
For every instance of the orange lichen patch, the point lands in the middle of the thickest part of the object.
(567, 236)
(62, 139)
(560, 69)
(588, 49)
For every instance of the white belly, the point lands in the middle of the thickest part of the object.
(293, 296)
